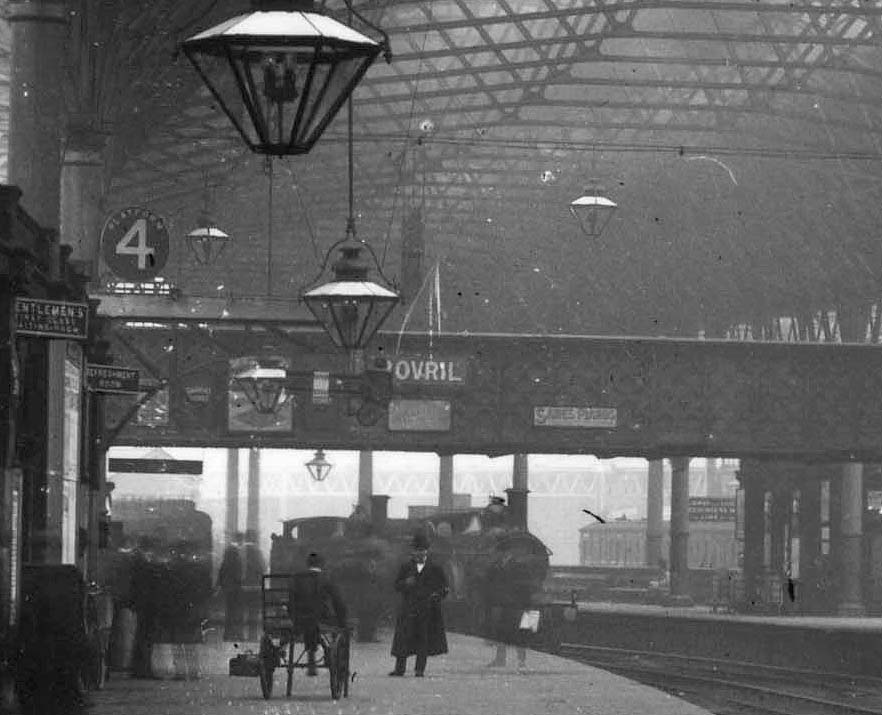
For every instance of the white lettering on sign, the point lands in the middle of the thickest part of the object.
(590, 417)
(124, 246)
(420, 369)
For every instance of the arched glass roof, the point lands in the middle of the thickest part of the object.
(740, 141)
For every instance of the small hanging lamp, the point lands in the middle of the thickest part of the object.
(319, 467)
(264, 386)
(593, 212)
(351, 307)
(207, 241)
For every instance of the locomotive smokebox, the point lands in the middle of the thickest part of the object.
(379, 512)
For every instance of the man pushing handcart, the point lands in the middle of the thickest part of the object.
(305, 607)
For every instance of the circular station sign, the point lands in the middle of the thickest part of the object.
(134, 243)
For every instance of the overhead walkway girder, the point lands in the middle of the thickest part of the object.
(497, 394)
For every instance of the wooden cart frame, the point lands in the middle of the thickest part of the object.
(281, 645)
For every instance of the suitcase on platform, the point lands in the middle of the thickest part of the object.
(245, 664)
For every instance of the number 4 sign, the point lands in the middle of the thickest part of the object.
(134, 243)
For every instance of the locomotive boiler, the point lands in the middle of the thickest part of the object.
(481, 551)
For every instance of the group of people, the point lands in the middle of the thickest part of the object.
(419, 628)
(239, 578)
(419, 622)
(160, 593)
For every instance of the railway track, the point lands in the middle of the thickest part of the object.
(738, 688)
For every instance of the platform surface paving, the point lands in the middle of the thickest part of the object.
(459, 683)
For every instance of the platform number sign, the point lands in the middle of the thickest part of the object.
(134, 243)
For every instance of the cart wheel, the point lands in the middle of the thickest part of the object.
(290, 666)
(267, 665)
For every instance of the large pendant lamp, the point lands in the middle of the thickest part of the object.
(282, 72)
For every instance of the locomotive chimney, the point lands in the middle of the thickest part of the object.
(379, 512)
(517, 508)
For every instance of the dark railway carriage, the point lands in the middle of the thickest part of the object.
(482, 554)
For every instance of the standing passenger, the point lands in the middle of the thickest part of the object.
(419, 627)
(252, 581)
(506, 599)
(147, 587)
(229, 580)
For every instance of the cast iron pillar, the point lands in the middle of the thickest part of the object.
(679, 552)
(252, 517)
(810, 557)
(95, 452)
(782, 500)
(445, 483)
(517, 494)
(365, 480)
(752, 481)
(655, 504)
(80, 196)
(851, 602)
(36, 126)
(82, 191)
(36, 104)
(232, 514)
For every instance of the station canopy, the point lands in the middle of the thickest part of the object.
(739, 140)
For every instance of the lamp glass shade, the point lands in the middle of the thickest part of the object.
(207, 242)
(319, 467)
(351, 311)
(593, 213)
(281, 76)
(264, 388)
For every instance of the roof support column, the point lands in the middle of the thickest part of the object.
(752, 479)
(365, 480)
(517, 494)
(679, 551)
(252, 517)
(82, 190)
(655, 503)
(445, 483)
(36, 104)
(851, 505)
(232, 518)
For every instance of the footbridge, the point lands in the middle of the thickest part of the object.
(201, 384)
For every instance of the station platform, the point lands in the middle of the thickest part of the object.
(831, 644)
(843, 623)
(459, 683)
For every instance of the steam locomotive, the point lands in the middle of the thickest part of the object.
(482, 552)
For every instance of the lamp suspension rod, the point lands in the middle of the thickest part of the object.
(350, 222)
(269, 228)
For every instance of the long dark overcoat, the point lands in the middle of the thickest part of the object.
(419, 626)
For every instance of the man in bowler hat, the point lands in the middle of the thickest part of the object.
(419, 626)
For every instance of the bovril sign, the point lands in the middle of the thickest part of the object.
(426, 369)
